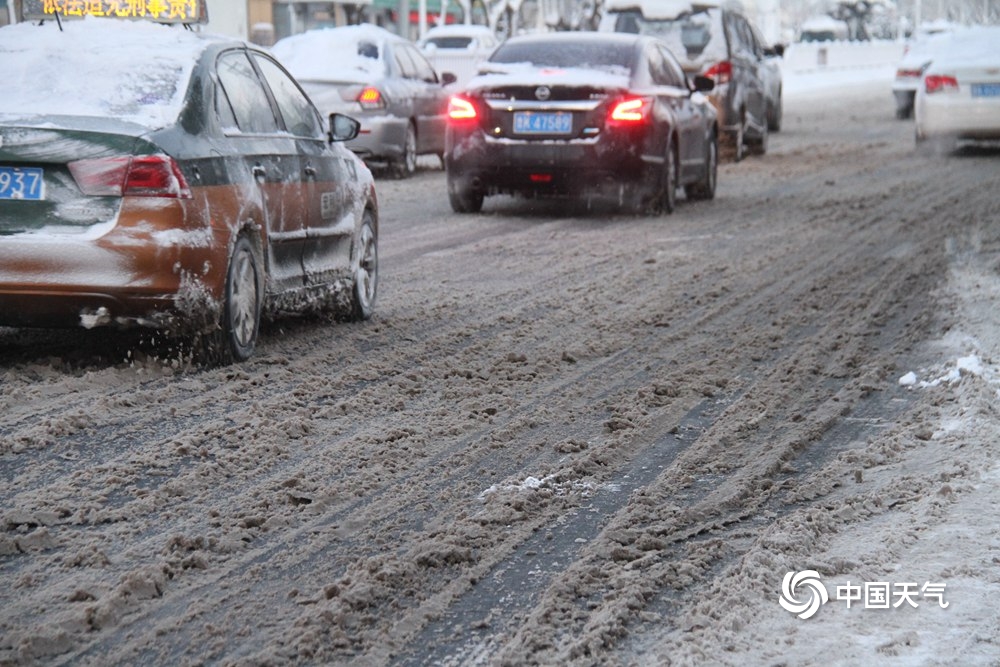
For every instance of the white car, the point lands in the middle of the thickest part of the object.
(917, 57)
(959, 95)
(458, 49)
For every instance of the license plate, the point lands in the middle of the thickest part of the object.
(22, 183)
(543, 122)
(986, 90)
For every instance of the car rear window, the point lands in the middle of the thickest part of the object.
(694, 39)
(584, 53)
(130, 71)
(450, 42)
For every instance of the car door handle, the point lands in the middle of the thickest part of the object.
(259, 172)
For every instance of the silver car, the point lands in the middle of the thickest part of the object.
(378, 78)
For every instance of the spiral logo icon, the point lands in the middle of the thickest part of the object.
(817, 593)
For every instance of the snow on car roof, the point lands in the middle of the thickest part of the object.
(457, 29)
(346, 53)
(971, 47)
(129, 70)
(659, 9)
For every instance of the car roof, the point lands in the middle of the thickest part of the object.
(580, 36)
(457, 29)
(664, 9)
(330, 54)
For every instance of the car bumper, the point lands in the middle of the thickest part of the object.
(595, 166)
(381, 138)
(120, 275)
(958, 115)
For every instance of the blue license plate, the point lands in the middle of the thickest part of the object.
(986, 90)
(543, 122)
(22, 183)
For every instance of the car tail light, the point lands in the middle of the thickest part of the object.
(908, 73)
(721, 72)
(630, 110)
(137, 176)
(540, 178)
(461, 110)
(939, 83)
(371, 99)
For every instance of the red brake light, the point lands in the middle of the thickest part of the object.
(939, 83)
(721, 71)
(461, 110)
(908, 73)
(138, 176)
(631, 110)
(371, 98)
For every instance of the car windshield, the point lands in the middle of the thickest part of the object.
(563, 53)
(129, 71)
(693, 37)
(450, 42)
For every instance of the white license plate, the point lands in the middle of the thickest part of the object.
(543, 122)
(986, 90)
(22, 183)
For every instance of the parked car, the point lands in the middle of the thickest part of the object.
(379, 78)
(155, 177)
(582, 115)
(716, 41)
(959, 96)
(458, 48)
(917, 57)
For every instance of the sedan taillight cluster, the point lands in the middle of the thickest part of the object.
(461, 110)
(940, 83)
(721, 72)
(630, 111)
(137, 176)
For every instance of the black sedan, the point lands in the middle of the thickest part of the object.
(582, 115)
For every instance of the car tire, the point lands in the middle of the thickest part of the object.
(235, 337)
(732, 148)
(406, 165)
(668, 198)
(705, 188)
(758, 146)
(774, 113)
(365, 287)
(464, 198)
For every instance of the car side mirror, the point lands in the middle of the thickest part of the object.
(703, 84)
(343, 128)
(447, 78)
(779, 50)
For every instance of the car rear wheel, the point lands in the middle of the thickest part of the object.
(235, 337)
(464, 198)
(366, 271)
(406, 165)
(705, 188)
(732, 147)
(774, 112)
(759, 144)
(668, 199)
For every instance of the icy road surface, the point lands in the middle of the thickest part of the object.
(568, 437)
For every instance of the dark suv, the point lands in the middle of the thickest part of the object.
(722, 44)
